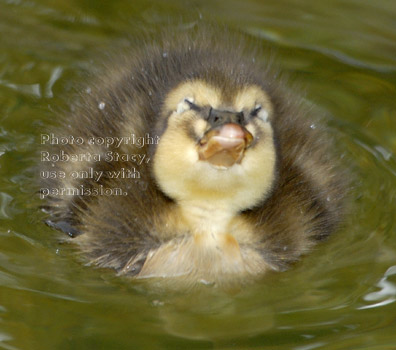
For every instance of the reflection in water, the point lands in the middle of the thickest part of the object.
(386, 295)
(4, 338)
(5, 200)
(212, 318)
(55, 75)
(28, 89)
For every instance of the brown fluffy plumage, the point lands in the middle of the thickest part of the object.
(300, 205)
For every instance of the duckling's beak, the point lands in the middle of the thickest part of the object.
(224, 145)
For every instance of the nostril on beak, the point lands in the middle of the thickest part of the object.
(219, 117)
(216, 118)
(239, 118)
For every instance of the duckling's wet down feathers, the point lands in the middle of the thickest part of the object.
(243, 179)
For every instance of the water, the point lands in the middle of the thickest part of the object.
(342, 296)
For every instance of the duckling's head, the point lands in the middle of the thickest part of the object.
(216, 145)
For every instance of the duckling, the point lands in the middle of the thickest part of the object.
(239, 176)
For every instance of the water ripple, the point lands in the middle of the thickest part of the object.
(326, 51)
(5, 200)
(3, 338)
(28, 89)
(55, 75)
(387, 290)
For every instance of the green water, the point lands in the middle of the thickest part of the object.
(342, 296)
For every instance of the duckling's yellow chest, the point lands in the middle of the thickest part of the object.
(211, 243)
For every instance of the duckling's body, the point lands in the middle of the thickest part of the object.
(241, 181)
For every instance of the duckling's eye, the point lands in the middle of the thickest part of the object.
(259, 112)
(186, 104)
(256, 109)
(192, 105)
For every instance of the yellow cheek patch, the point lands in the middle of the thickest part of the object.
(251, 96)
(200, 127)
(184, 177)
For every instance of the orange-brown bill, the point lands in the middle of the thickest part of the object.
(224, 146)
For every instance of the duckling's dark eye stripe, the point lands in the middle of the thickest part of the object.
(255, 111)
(192, 106)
